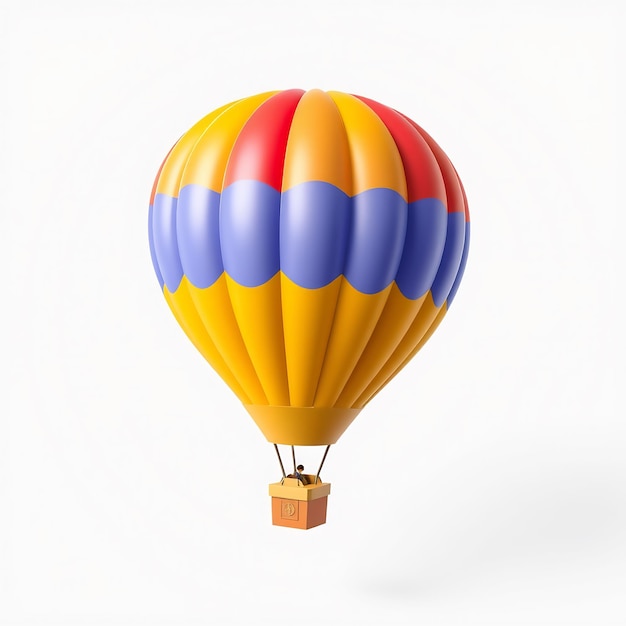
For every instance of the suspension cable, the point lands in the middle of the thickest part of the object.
(322, 463)
(282, 468)
(293, 454)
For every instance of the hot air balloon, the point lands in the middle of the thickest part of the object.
(308, 244)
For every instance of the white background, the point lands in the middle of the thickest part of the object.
(487, 485)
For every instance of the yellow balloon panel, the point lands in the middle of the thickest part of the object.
(208, 159)
(433, 327)
(356, 317)
(259, 317)
(172, 170)
(184, 310)
(425, 318)
(376, 162)
(307, 320)
(317, 148)
(394, 322)
(215, 310)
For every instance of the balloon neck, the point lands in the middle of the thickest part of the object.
(302, 426)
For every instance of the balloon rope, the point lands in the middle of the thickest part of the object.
(282, 468)
(293, 454)
(322, 463)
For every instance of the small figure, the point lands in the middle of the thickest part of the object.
(299, 475)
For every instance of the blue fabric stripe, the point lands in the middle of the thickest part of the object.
(165, 242)
(459, 274)
(314, 231)
(198, 233)
(377, 234)
(423, 247)
(152, 250)
(451, 258)
(249, 226)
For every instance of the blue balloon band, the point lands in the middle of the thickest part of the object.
(198, 234)
(377, 234)
(459, 274)
(249, 226)
(423, 247)
(152, 250)
(451, 258)
(313, 232)
(165, 241)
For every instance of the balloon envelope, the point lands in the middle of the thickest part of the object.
(308, 243)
